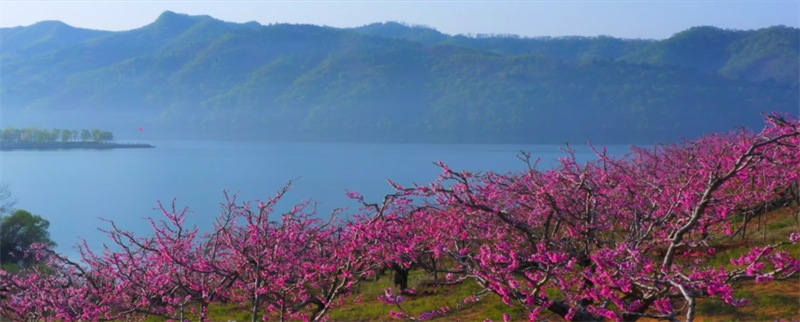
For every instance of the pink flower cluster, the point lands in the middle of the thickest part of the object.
(616, 239)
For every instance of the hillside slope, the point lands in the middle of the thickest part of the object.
(768, 53)
(195, 76)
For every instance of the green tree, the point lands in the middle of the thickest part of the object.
(10, 134)
(106, 136)
(96, 135)
(28, 134)
(44, 136)
(18, 232)
(86, 135)
(56, 134)
(65, 135)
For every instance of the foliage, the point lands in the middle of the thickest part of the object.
(521, 234)
(200, 77)
(770, 53)
(699, 47)
(18, 232)
(763, 54)
(42, 37)
(564, 48)
(394, 29)
(619, 238)
(36, 135)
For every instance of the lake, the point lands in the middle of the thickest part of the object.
(73, 188)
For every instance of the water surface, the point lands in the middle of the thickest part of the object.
(73, 188)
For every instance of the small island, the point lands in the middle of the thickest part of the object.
(33, 138)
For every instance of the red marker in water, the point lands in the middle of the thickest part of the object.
(141, 129)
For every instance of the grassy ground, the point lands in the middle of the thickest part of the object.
(769, 301)
(428, 299)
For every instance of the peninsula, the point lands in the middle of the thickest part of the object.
(71, 145)
(33, 138)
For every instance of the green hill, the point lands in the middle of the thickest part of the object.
(565, 48)
(769, 53)
(195, 77)
(40, 37)
(393, 29)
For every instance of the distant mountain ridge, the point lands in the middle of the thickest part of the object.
(566, 48)
(42, 37)
(196, 76)
(767, 53)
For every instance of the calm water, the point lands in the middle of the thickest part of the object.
(73, 188)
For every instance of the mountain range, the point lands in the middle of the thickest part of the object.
(198, 77)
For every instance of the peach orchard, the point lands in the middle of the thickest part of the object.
(618, 237)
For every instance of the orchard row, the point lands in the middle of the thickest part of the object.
(617, 238)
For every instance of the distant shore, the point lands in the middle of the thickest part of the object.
(71, 145)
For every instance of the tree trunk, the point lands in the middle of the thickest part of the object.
(400, 276)
(256, 295)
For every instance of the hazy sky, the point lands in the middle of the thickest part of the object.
(628, 19)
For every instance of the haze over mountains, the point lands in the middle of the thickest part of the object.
(198, 77)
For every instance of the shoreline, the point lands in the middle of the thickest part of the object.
(72, 145)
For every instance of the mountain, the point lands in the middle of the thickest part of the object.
(394, 29)
(198, 77)
(40, 37)
(565, 48)
(703, 48)
(769, 53)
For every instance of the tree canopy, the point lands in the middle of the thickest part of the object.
(618, 238)
(18, 232)
(196, 76)
(34, 134)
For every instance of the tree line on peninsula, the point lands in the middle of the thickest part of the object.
(34, 134)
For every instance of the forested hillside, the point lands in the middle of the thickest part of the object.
(19, 42)
(764, 54)
(198, 77)
(566, 48)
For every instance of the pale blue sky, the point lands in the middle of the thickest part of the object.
(628, 19)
